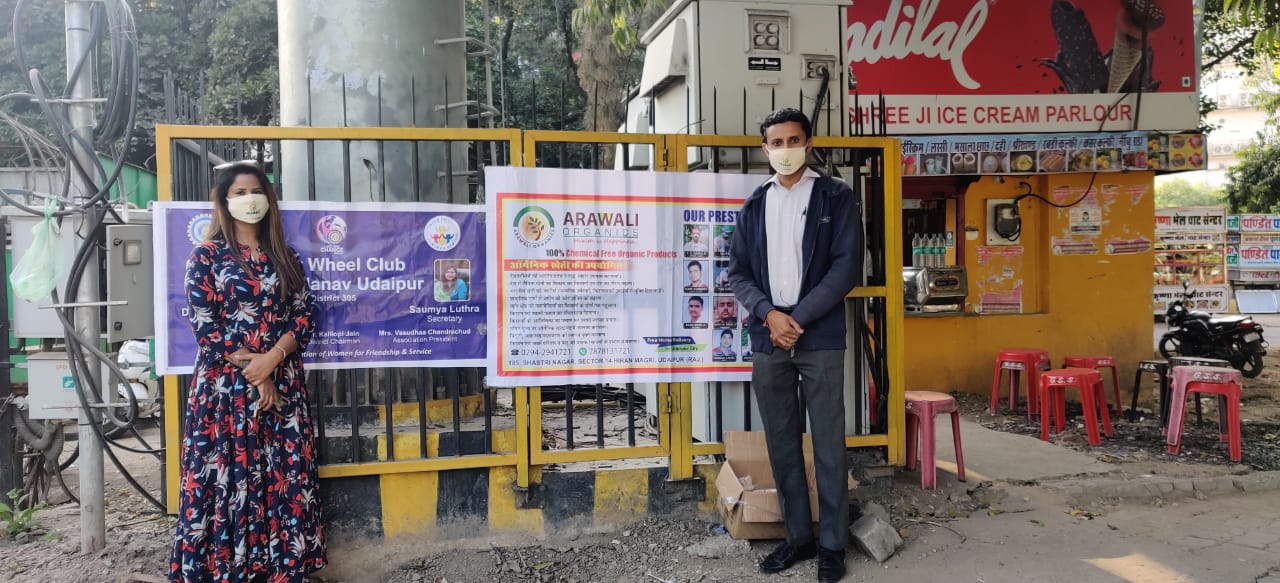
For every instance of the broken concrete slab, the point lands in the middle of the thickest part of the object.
(875, 537)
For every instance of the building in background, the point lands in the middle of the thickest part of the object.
(1238, 120)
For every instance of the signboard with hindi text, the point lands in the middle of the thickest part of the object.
(1210, 219)
(1050, 153)
(395, 284)
(1191, 247)
(1253, 248)
(610, 276)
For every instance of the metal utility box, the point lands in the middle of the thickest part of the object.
(130, 279)
(51, 392)
(720, 66)
(36, 320)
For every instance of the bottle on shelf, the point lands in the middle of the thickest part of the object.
(917, 251)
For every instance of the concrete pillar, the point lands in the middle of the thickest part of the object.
(370, 63)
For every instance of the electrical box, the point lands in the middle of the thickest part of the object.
(996, 213)
(51, 390)
(36, 320)
(31, 319)
(130, 279)
(719, 66)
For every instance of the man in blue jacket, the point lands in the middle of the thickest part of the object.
(797, 252)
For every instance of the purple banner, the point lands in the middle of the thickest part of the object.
(396, 284)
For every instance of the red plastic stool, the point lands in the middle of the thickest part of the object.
(1098, 362)
(923, 407)
(1223, 382)
(1053, 400)
(1017, 361)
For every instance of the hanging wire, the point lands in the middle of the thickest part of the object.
(113, 34)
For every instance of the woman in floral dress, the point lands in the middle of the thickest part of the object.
(249, 509)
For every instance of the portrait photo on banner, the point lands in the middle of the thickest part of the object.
(695, 240)
(453, 280)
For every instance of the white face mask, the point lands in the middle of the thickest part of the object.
(248, 208)
(787, 161)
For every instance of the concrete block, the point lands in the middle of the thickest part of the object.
(875, 537)
(1207, 484)
(1183, 486)
(1258, 481)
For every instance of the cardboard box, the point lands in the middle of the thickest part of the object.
(747, 496)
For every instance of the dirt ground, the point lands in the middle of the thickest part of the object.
(687, 550)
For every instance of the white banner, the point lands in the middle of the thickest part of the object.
(611, 277)
(1191, 219)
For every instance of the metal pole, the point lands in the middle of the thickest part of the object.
(10, 471)
(93, 524)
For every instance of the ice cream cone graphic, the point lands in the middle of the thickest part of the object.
(1133, 18)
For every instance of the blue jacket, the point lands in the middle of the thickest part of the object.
(833, 252)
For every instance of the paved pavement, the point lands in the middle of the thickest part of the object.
(997, 456)
(1234, 539)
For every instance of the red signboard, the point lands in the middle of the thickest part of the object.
(1024, 65)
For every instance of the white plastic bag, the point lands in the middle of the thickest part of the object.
(38, 272)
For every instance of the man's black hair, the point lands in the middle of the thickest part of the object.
(692, 263)
(728, 333)
(784, 115)
(699, 298)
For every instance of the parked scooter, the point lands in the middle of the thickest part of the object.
(1235, 339)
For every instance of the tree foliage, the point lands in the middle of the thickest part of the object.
(1261, 17)
(222, 51)
(44, 47)
(613, 59)
(1176, 192)
(1254, 183)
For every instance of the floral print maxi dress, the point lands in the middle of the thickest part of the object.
(249, 507)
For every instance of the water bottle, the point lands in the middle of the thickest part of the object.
(917, 251)
(935, 259)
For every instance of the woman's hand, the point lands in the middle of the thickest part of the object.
(259, 369)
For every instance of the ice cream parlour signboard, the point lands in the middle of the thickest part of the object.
(991, 66)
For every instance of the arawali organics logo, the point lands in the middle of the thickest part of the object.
(910, 30)
(534, 226)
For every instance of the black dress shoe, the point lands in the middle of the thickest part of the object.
(830, 565)
(786, 555)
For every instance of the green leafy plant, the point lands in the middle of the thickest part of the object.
(17, 520)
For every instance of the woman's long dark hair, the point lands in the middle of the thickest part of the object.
(270, 228)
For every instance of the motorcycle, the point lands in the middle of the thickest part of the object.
(1235, 339)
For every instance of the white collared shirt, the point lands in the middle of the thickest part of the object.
(784, 215)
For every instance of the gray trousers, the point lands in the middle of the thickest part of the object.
(776, 379)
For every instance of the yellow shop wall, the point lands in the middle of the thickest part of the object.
(1096, 303)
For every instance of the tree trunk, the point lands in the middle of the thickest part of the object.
(602, 71)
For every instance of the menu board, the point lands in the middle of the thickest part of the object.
(1185, 151)
(1050, 153)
